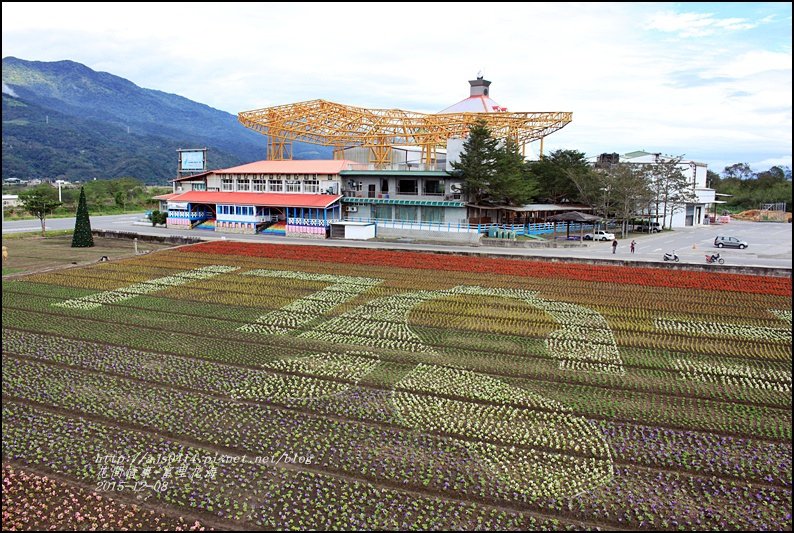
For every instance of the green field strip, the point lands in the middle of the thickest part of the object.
(434, 337)
(252, 493)
(289, 345)
(706, 302)
(637, 481)
(634, 406)
(531, 370)
(491, 361)
(216, 379)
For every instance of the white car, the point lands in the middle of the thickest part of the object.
(599, 235)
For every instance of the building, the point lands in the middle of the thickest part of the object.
(390, 167)
(692, 213)
(296, 198)
(427, 198)
(11, 200)
(304, 197)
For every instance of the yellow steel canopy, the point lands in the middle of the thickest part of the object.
(344, 126)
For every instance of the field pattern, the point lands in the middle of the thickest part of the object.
(228, 385)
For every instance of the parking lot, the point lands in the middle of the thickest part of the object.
(769, 244)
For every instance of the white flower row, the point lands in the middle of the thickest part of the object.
(94, 301)
(721, 330)
(544, 474)
(585, 334)
(734, 375)
(782, 314)
(505, 424)
(368, 332)
(535, 473)
(350, 367)
(304, 310)
(311, 276)
(469, 384)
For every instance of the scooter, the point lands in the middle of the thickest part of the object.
(715, 259)
(671, 256)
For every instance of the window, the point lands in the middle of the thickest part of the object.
(243, 185)
(434, 187)
(259, 185)
(384, 185)
(311, 186)
(382, 212)
(199, 186)
(432, 214)
(406, 213)
(275, 186)
(227, 184)
(293, 186)
(406, 187)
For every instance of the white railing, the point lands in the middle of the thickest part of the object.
(455, 227)
(398, 166)
(462, 227)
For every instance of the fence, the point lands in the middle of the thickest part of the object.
(464, 227)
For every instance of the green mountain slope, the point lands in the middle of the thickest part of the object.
(62, 119)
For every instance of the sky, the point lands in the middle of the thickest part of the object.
(707, 81)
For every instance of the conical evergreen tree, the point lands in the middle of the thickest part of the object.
(477, 164)
(82, 237)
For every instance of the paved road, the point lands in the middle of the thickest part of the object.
(770, 243)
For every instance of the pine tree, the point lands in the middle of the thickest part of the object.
(82, 227)
(477, 164)
(512, 184)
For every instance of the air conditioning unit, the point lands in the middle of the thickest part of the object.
(351, 209)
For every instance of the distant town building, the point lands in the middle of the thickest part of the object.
(11, 200)
(691, 214)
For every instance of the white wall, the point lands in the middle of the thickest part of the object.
(360, 233)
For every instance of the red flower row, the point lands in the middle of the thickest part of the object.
(512, 267)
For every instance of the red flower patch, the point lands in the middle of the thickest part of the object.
(513, 267)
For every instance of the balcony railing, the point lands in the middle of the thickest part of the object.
(398, 166)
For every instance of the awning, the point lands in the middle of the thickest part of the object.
(271, 199)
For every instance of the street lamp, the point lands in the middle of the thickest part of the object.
(59, 182)
(606, 206)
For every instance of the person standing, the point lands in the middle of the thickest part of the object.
(633, 243)
(614, 245)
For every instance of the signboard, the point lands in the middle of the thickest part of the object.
(177, 205)
(191, 160)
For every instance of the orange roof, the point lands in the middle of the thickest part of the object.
(309, 166)
(272, 199)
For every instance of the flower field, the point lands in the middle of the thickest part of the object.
(251, 386)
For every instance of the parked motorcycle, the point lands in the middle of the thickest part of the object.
(671, 256)
(715, 258)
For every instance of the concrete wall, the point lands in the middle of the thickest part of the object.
(360, 232)
(471, 238)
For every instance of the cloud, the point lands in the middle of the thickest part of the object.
(698, 24)
(630, 84)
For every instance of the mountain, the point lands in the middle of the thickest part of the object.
(64, 120)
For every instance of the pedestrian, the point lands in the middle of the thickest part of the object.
(633, 242)
(614, 245)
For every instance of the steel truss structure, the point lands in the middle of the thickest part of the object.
(343, 126)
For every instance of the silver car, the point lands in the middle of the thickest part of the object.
(730, 242)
